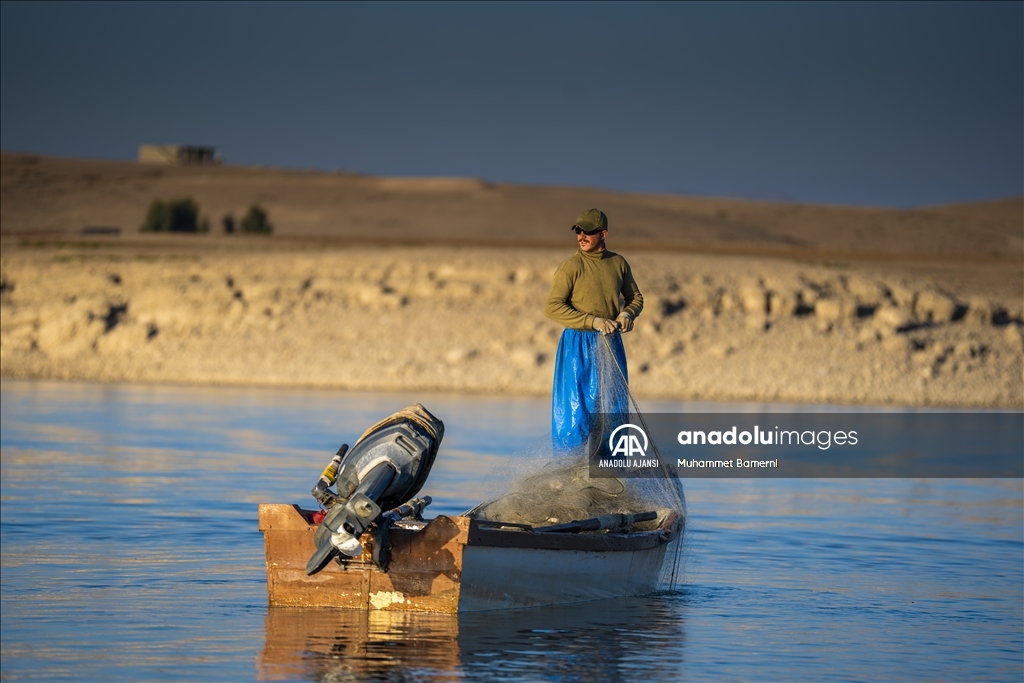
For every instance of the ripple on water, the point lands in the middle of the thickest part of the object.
(131, 552)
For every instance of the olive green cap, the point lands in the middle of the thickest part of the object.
(590, 220)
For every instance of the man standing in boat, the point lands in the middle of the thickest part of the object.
(595, 297)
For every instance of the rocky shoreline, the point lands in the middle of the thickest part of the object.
(434, 318)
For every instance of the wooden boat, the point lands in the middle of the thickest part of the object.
(461, 564)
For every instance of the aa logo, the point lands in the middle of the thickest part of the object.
(625, 442)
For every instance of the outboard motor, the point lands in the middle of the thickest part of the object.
(384, 469)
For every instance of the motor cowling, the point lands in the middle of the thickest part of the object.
(386, 467)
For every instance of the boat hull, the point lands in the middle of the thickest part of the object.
(454, 564)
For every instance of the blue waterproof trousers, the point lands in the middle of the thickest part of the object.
(586, 383)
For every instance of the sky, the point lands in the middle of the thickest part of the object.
(868, 104)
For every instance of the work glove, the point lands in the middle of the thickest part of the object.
(605, 326)
(625, 321)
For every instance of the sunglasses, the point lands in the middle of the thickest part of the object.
(577, 229)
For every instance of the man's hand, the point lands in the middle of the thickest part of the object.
(625, 322)
(605, 326)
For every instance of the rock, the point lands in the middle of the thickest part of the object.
(122, 339)
(16, 338)
(653, 308)
(922, 357)
(829, 310)
(757, 321)
(866, 292)
(453, 291)
(236, 311)
(753, 299)
(963, 349)
(1014, 334)
(669, 347)
(934, 306)
(902, 296)
(729, 302)
(377, 296)
(896, 344)
(58, 331)
(892, 318)
(979, 313)
(525, 358)
(522, 275)
(547, 336)
(868, 335)
(699, 300)
(424, 289)
(721, 351)
(781, 303)
(459, 355)
(941, 352)
(644, 327)
(807, 296)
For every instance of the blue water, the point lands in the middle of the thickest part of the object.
(130, 551)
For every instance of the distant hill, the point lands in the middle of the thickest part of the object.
(45, 195)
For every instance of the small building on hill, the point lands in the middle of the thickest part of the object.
(178, 155)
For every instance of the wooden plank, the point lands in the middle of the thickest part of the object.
(280, 517)
(288, 538)
(426, 569)
(424, 574)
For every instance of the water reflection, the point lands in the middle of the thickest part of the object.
(325, 644)
(590, 642)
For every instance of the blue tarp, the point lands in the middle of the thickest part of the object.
(586, 382)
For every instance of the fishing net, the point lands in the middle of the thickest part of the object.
(554, 486)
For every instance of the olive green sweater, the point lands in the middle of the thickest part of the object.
(587, 286)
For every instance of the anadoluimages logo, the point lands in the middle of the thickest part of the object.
(626, 443)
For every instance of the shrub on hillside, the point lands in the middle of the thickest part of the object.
(255, 220)
(176, 215)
